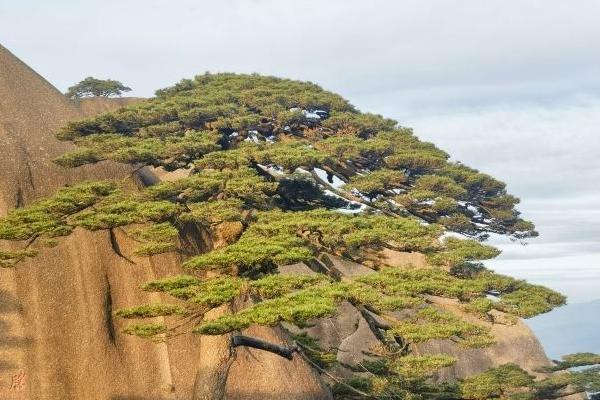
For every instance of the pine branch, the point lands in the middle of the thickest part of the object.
(285, 352)
(332, 377)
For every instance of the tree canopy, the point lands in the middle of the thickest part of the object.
(304, 175)
(93, 87)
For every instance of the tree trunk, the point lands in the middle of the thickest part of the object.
(216, 357)
(282, 351)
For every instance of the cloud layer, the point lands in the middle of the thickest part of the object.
(548, 154)
(430, 50)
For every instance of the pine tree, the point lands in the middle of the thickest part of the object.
(93, 87)
(304, 175)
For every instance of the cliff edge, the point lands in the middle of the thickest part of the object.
(58, 338)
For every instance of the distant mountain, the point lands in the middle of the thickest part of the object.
(569, 329)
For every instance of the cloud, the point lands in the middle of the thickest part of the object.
(542, 151)
(548, 154)
(576, 276)
(351, 46)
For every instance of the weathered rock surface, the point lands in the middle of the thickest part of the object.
(58, 338)
(514, 343)
(257, 374)
(348, 332)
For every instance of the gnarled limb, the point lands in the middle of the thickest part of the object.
(285, 352)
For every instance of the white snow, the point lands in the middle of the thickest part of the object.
(311, 115)
(337, 182)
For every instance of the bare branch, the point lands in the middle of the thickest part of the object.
(286, 352)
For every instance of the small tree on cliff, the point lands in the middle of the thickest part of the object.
(92, 87)
(284, 172)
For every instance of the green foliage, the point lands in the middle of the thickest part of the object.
(290, 155)
(412, 366)
(170, 283)
(272, 286)
(253, 146)
(340, 389)
(227, 101)
(296, 308)
(78, 157)
(214, 212)
(377, 299)
(574, 360)
(300, 191)
(455, 251)
(151, 311)
(277, 237)
(253, 252)
(431, 324)
(377, 182)
(188, 123)
(145, 330)
(401, 377)
(93, 206)
(123, 210)
(480, 305)
(231, 159)
(155, 239)
(388, 290)
(210, 293)
(48, 217)
(363, 125)
(172, 152)
(9, 259)
(530, 300)
(587, 379)
(242, 184)
(96, 87)
(440, 186)
(516, 297)
(501, 382)
(312, 349)
(206, 294)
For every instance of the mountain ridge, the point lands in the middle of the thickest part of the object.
(52, 341)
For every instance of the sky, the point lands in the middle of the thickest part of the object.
(510, 87)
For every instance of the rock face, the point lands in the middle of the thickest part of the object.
(30, 109)
(58, 338)
(514, 343)
(349, 335)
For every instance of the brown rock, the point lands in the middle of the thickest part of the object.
(257, 374)
(58, 338)
(514, 344)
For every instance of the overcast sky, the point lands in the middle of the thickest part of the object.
(509, 87)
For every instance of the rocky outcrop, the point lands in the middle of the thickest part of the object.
(30, 110)
(515, 343)
(257, 374)
(58, 337)
(348, 334)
